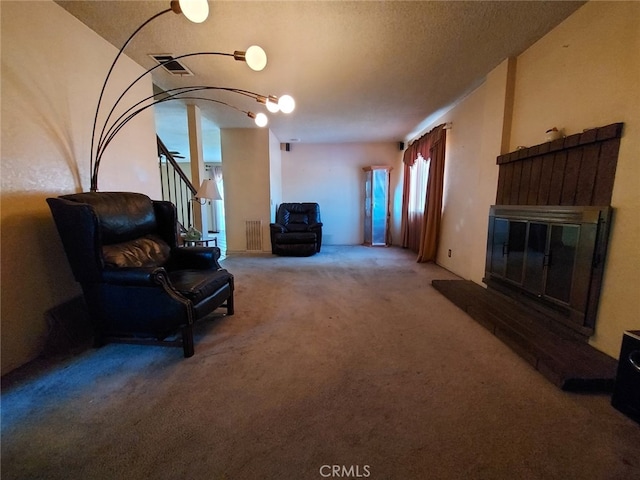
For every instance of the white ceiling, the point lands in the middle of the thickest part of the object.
(360, 71)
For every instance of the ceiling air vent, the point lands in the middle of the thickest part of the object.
(174, 67)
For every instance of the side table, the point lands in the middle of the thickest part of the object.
(202, 242)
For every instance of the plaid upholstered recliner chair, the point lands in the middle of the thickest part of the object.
(139, 286)
(297, 231)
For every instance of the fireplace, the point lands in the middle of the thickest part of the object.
(551, 258)
(546, 255)
(548, 231)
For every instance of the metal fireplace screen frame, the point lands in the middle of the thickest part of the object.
(551, 258)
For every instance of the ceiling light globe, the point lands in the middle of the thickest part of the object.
(261, 120)
(286, 103)
(273, 107)
(195, 10)
(256, 58)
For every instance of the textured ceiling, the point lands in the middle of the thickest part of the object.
(360, 71)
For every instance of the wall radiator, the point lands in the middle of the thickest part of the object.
(254, 234)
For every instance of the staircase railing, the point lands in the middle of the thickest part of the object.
(176, 186)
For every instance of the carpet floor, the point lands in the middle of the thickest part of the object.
(347, 364)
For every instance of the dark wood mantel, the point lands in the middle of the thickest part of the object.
(574, 170)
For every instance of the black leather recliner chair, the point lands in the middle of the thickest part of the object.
(297, 231)
(139, 286)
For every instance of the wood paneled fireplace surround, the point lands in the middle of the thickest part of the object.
(546, 248)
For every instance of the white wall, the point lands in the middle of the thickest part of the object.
(53, 67)
(331, 175)
(275, 176)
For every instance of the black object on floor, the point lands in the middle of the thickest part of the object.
(626, 393)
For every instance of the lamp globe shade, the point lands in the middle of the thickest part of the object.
(286, 103)
(195, 10)
(261, 120)
(273, 107)
(256, 58)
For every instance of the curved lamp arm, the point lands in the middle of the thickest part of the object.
(113, 64)
(178, 96)
(108, 135)
(196, 11)
(131, 85)
(132, 112)
(175, 97)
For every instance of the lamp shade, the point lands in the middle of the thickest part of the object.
(209, 190)
(196, 11)
(261, 120)
(286, 104)
(256, 58)
(272, 106)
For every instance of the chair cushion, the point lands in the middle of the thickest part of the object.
(197, 285)
(297, 227)
(147, 251)
(123, 216)
(298, 213)
(294, 238)
(299, 218)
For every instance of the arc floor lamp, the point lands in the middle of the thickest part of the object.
(196, 11)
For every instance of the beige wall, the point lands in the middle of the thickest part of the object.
(331, 175)
(259, 175)
(52, 70)
(477, 130)
(461, 199)
(583, 74)
(246, 171)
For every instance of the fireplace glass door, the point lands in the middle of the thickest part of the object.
(550, 255)
(561, 260)
(539, 257)
(515, 250)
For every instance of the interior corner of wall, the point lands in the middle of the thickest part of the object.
(509, 95)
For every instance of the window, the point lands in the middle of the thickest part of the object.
(418, 178)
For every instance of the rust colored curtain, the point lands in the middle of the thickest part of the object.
(404, 219)
(424, 242)
(433, 206)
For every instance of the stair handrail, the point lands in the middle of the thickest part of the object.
(164, 151)
(187, 191)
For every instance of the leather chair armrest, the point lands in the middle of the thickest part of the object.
(197, 258)
(149, 276)
(317, 229)
(277, 228)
